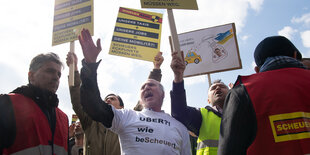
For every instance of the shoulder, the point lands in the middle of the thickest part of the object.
(62, 116)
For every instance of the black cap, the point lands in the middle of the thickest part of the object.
(274, 46)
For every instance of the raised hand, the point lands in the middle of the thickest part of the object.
(177, 66)
(71, 130)
(158, 60)
(90, 50)
(72, 59)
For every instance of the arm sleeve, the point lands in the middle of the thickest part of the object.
(76, 102)
(91, 100)
(7, 122)
(189, 116)
(238, 126)
(155, 74)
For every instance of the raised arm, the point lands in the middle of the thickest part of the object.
(75, 93)
(91, 100)
(156, 72)
(189, 116)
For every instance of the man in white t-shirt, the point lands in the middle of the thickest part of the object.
(150, 131)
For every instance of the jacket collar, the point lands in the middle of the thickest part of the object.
(42, 97)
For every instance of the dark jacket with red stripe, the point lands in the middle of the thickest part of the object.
(33, 124)
(268, 113)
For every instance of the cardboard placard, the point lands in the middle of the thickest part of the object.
(137, 34)
(70, 17)
(170, 4)
(210, 50)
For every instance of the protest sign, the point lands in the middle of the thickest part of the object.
(170, 4)
(74, 118)
(70, 17)
(210, 50)
(136, 34)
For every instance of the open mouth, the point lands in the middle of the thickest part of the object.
(148, 94)
(218, 93)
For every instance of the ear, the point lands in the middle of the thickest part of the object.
(256, 69)
(30, 77)
(209, 101)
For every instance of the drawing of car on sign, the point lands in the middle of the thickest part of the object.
(192, 57)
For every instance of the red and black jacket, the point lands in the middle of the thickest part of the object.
(34, 124)
(280, 99)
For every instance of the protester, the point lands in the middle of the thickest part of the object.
(203, 122)
(306, 62)
(150, 131)
(154, 74)
(30, 121)
(77, 148)
(71, 138)
(99, 139)
(268, 112)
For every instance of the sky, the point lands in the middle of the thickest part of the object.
(26, 30)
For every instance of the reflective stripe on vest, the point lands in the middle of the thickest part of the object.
(33, 133)
(208, 143)
(209, 132)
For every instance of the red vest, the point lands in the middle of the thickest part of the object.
(33, 132)
(281, 100)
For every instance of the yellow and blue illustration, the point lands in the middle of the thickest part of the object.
(222, 38)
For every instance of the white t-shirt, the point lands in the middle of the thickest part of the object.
(149, 132)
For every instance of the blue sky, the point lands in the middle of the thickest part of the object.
(26, 30)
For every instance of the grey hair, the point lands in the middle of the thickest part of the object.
(162, 88)
(39, 60)
(217, 81)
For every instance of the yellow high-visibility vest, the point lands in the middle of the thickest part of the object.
(209, 132)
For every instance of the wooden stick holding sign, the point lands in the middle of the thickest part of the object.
(209, 79)
(71, 67)
(169, 5)
(174, 35)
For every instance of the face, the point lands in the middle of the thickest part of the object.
(47, 77)
(78, 128)
(218, 52)
(113, 100)
(151, 95)
(217, 94)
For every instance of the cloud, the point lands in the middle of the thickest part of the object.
(245, 37)
(212, 13)
(287, 32)
(256, 4)
(305, 36)
(305, 19)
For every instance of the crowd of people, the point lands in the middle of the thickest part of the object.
(264, 113)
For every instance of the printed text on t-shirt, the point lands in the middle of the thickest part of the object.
(155, 120)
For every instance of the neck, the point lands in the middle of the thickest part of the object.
(217, 108)
(154, 109)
